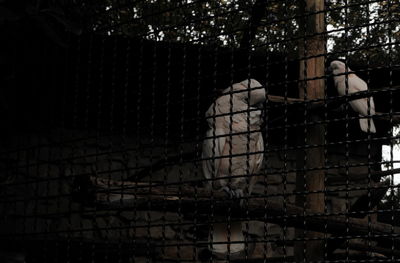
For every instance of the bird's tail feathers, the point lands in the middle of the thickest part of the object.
(364, 125)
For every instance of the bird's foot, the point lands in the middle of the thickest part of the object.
(233, 193)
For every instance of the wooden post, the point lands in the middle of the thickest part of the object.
(313, 44)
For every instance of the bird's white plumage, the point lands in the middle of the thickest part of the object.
(222, 141)
(351, 84)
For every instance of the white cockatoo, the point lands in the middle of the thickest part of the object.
(362, 106)
(220, 144)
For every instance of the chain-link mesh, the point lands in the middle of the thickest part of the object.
(200, 131)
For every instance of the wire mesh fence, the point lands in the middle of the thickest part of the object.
(200, 131)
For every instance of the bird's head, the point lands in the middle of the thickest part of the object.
(338, 67)
(257, 92)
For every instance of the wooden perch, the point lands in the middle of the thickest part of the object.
(109, 194)
(355, 245)
(275, 98)
(364, 247)
(374, 175)
(364, 203)
(334, 102)
(395, 118)
(369, 200)
(318, 103)
(160, 164)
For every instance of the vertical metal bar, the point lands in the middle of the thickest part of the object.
(154, 72)
(325, 143)
(181, 141)
(124, 126)
(99, 109)
(138, 133)
(46, 170)
(285, 132)
(392, 190)
(62, 124)
(87, 111)
(300, 248)
(166, 140)
(197, 149)
(231, 113)
(369, 159)
(248, 173)
(70, 250)
(266, 149)
(347, 130)
(114, 59)
(213, 218)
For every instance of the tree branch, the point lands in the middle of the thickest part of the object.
(109, 194)
(257, 12)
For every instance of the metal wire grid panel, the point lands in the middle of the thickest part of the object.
(204, 131)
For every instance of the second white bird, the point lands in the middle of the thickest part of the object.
(365, 107)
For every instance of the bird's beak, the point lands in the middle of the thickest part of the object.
(330, 69)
